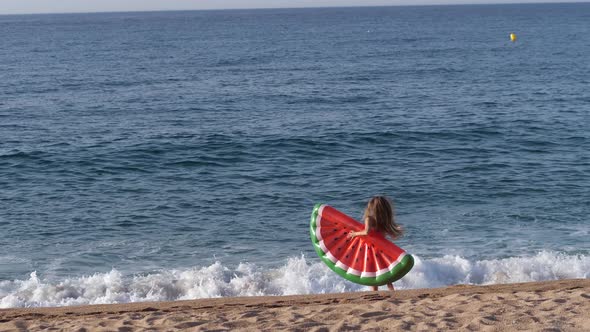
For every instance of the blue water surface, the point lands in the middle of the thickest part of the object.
(151, 141)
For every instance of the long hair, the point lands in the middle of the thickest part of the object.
(380, 211)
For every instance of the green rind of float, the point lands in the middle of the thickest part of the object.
(398, 272)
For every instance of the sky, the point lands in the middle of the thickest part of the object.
(77, 6)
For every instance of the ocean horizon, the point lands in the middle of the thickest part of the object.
(150, 11)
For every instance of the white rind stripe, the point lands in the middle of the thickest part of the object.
(318, 221)
(327, 252)
(341, 265)
(353, 271)
(392, 265)
(332, 258)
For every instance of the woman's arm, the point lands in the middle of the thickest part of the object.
(363, 232)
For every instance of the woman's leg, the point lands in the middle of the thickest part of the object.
(390, 286)
(374, 288)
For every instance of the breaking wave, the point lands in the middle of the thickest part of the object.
(298, 275)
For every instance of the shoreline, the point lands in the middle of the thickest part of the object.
(558, 305)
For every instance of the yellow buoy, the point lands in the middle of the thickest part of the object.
(512, 37)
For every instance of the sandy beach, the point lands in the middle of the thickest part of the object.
(539, 306)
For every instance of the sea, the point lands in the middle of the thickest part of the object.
(149, 156)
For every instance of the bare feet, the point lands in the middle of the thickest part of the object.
(376, 288)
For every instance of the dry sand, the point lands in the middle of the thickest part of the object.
(541, 306)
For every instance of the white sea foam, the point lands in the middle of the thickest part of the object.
(298, 275)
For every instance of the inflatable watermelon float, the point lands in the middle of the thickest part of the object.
(369, 260)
